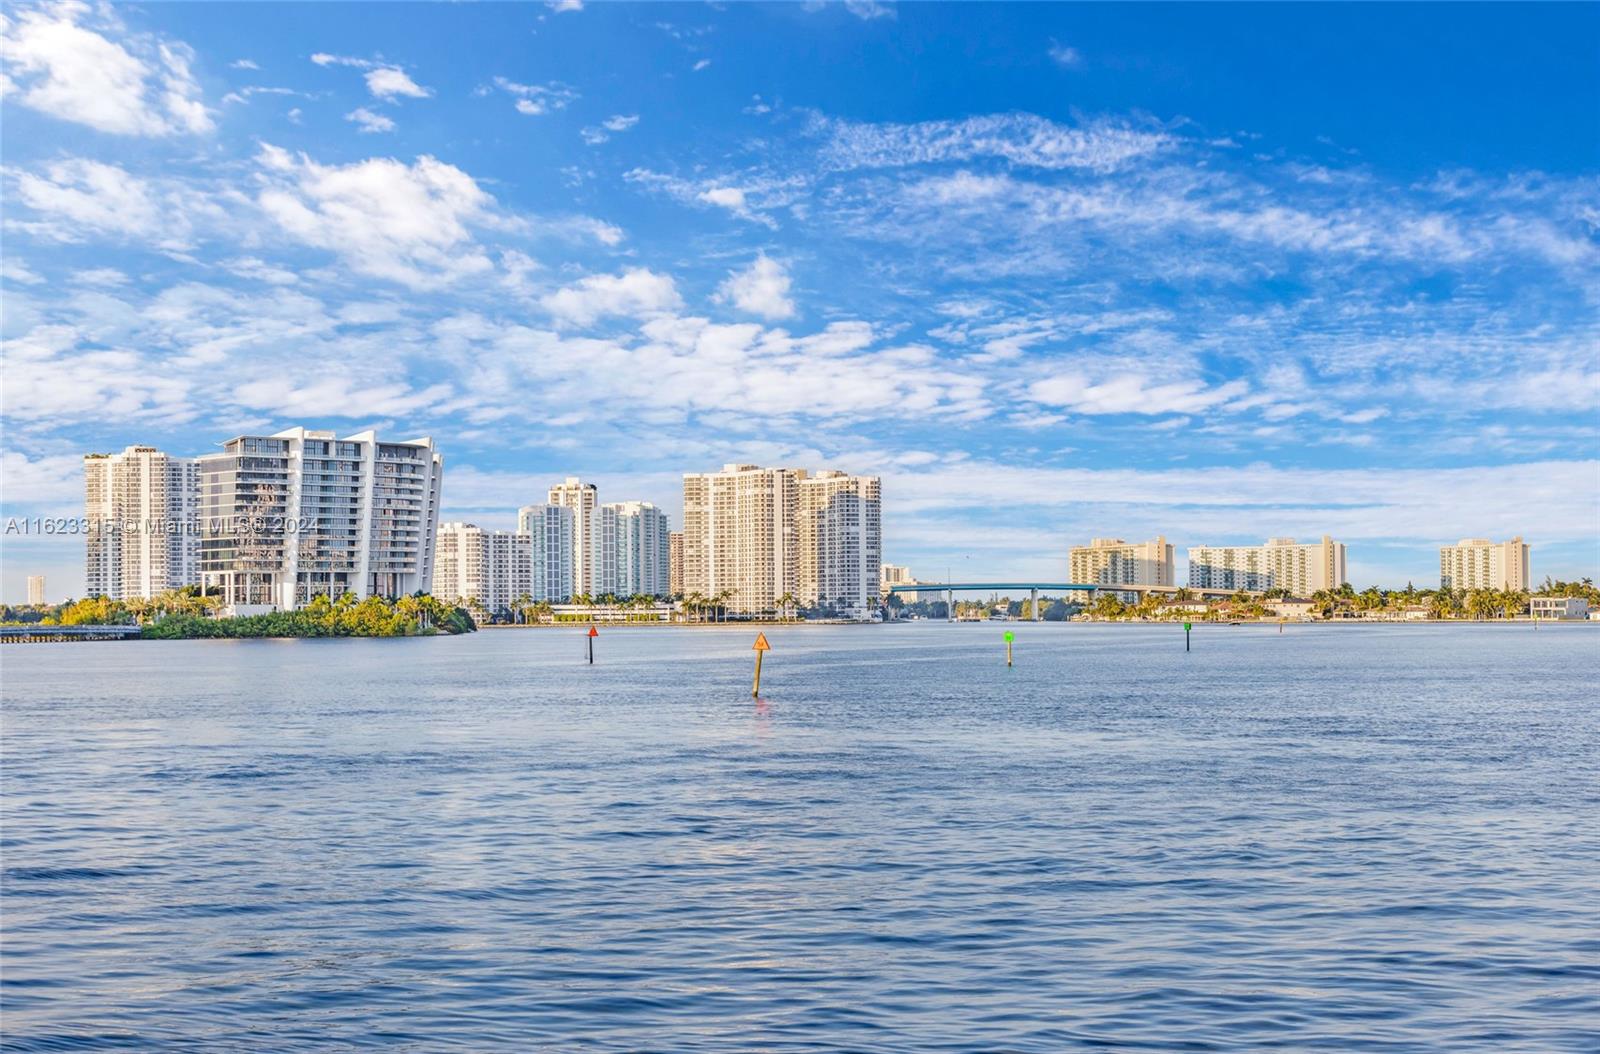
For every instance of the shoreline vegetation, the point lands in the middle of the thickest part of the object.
(187, 614)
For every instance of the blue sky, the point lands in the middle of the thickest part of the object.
(1054, 272)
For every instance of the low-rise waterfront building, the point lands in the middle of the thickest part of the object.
(1478, 563)
(142, 534)
(302, 513)
(1302, 568)
(891, 575)
(1574, 608)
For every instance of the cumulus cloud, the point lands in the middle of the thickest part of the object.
(384, 80)
(62, 61)
(410, 224)
(387, 82)
(760, 289)
(638, 292)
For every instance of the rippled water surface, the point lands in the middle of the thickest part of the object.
(1337, 838)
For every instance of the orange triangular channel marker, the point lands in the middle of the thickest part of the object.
(761, 643)
(593, 632)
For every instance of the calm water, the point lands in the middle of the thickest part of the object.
(1341, 838)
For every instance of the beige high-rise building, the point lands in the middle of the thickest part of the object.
(589, 572)
(302, 513)
(489, 567)
(675, 563)
(762, 533)
(1280, 563)
(140, 507)
(1478, 563)
(36, 589)
(1112, 561)
(739, 535)
(840, 542)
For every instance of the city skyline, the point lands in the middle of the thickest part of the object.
(630, 547)
(1109, 288)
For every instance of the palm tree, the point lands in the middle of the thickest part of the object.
(786, 605)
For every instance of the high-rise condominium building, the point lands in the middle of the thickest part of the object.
(1112, 561)
(740, 535)
(675, 563)
(1281, 563)
(588, 562)
(758, 534)
(491, 568)
(840, 542)
(1478, 563)
(548, 529)
(626, 549)
(142, 534)
(36, 589)
(640, 548)
(301, 513)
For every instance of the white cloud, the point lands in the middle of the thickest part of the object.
(407, 223)
(17, 273)
(702, 64)
(260, 270)
(1020, 138)
(108, 277)
(1131, 393)
(387, 82)
(760, 289)
(243, 64)
(1064, 56)
(384, 80)
(81, 197)
(638, 291)
(369, 121)
(62, 67)
(562, 7)
(537, 99)
(594, 135)
(867, 10)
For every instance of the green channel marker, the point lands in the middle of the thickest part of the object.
(1009, 638)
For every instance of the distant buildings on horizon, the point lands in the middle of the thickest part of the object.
(274, 520)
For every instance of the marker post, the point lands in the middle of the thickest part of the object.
(1009, 638)
(1186, 636)
(593, 633)
(760, 647)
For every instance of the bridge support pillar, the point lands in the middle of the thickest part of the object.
(950, 605)
(1034, 607)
